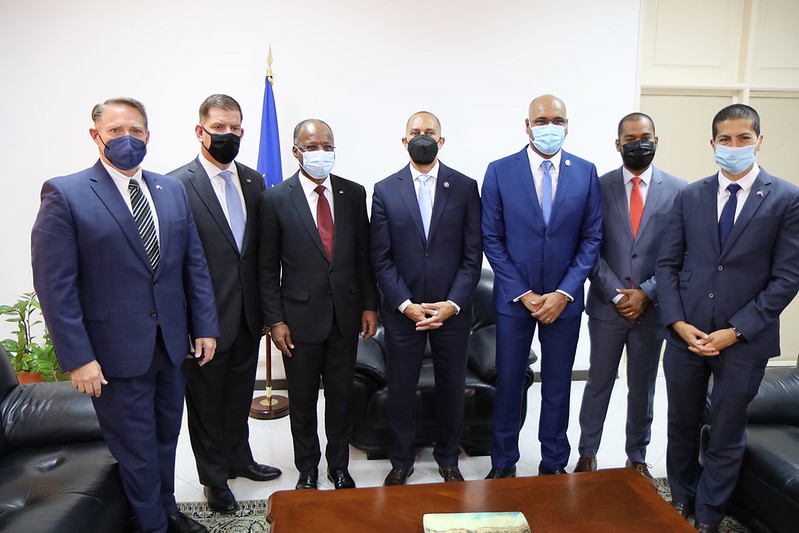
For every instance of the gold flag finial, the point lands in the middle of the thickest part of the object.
(269, 73)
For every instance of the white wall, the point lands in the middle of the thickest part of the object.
(362, 66)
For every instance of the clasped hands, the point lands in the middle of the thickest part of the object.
(546, 308)
(705, 344)
(429, 316)
(632, 304)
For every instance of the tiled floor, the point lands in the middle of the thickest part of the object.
(271, 444)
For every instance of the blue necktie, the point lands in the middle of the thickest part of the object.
(727, 218)
(425, 202)
(234, 211)
(546, 190)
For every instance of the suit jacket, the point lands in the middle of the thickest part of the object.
(234, 274)
(748, 283)
(624, 261)
(526, 254)
(99, 295)
(444, 266)
(310, 290)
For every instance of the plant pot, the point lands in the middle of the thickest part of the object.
(28, 377)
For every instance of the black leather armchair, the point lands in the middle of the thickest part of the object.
(766, 497)
(370, 426)
(56, 473)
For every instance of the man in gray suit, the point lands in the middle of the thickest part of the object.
(622, 303)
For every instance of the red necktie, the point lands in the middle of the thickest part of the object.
(636, 205)
(324, 221)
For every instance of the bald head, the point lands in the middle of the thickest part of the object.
(423, 118)
(546, 105)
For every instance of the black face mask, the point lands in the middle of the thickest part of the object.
(423, 149)
(224, 146)
(638, 155)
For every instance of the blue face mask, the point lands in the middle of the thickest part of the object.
(318, 164)
(125, 152)
(735, 160)
(549, 138)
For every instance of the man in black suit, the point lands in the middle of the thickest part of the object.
(427, 252)
(224, 198)
(727, 268)
(317, 291)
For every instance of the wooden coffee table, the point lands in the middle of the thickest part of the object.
(606, 500)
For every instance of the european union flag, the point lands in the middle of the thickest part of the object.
(269, 149)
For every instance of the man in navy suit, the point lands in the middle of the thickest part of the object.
(224, 197)
(622, 301)
(542, 228)
(427, 253)
(122, 280)
(728, 266)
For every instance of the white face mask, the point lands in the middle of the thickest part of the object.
(318, 164)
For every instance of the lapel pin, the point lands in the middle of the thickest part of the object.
(158, 187)
(568, 162)
(249, 180)
(341, 192)
(759, 193)
(446, 185)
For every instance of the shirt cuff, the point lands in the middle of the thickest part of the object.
(404, 305)
(616, 299)
(456, 306)
(566, 294)
(521, 295)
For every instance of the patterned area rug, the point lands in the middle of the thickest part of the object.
(251, 516)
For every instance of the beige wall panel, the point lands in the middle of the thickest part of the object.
(776, 45)
(685, 41)
(683, 129)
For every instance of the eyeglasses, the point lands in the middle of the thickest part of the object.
(316, 147)
(557, 121)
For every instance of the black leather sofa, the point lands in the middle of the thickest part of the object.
(766, 498)
(56, 473)
(370, 427)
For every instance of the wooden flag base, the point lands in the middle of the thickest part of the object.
(266, 408)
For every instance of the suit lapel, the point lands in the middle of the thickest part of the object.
(103, 186)
(162, 207)
(441, 198)
(528, 185)
(757, 194)
(202, 184)
(343, 208)
(408, 193)
(252, 193)
(297, 195)
(708, 198)
(619, 195)
(565, 182)
(652, 198)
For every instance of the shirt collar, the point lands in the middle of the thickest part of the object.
(119, 177)
(433, 171)
(646, 175)
(213, 170)
(745, 182)
(309, 186)
(536, 160)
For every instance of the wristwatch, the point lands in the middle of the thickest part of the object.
(737, 333)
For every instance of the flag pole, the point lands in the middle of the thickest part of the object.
(270, 406)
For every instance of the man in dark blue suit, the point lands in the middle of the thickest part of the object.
(426, 252)
(122, 279)
(728, 266)
(542, 229)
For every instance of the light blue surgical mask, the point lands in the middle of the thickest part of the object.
(318, 164)
(735, 160)
(548, 138)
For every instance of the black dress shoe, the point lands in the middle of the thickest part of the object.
(497, 473)
(341, 478)
(308, 479)
(397, 476)
(450, 473)
(220, 498)
(180, 523)
(704, 528)
(684, 509)
(547, 472)
(255, 472)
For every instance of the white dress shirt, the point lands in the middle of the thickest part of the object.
(646, 179)
(218, 183)
(723, 194)
(122, 182)
(308, 187)
(538, 172)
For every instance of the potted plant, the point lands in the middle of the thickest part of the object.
(28, 353)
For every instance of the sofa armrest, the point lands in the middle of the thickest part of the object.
(48, 413)
(777, 400)
(370, 361)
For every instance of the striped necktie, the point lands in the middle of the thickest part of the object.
(144, 222)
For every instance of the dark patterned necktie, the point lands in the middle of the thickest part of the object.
(324, 221)
(144, 221)
(727, 218)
